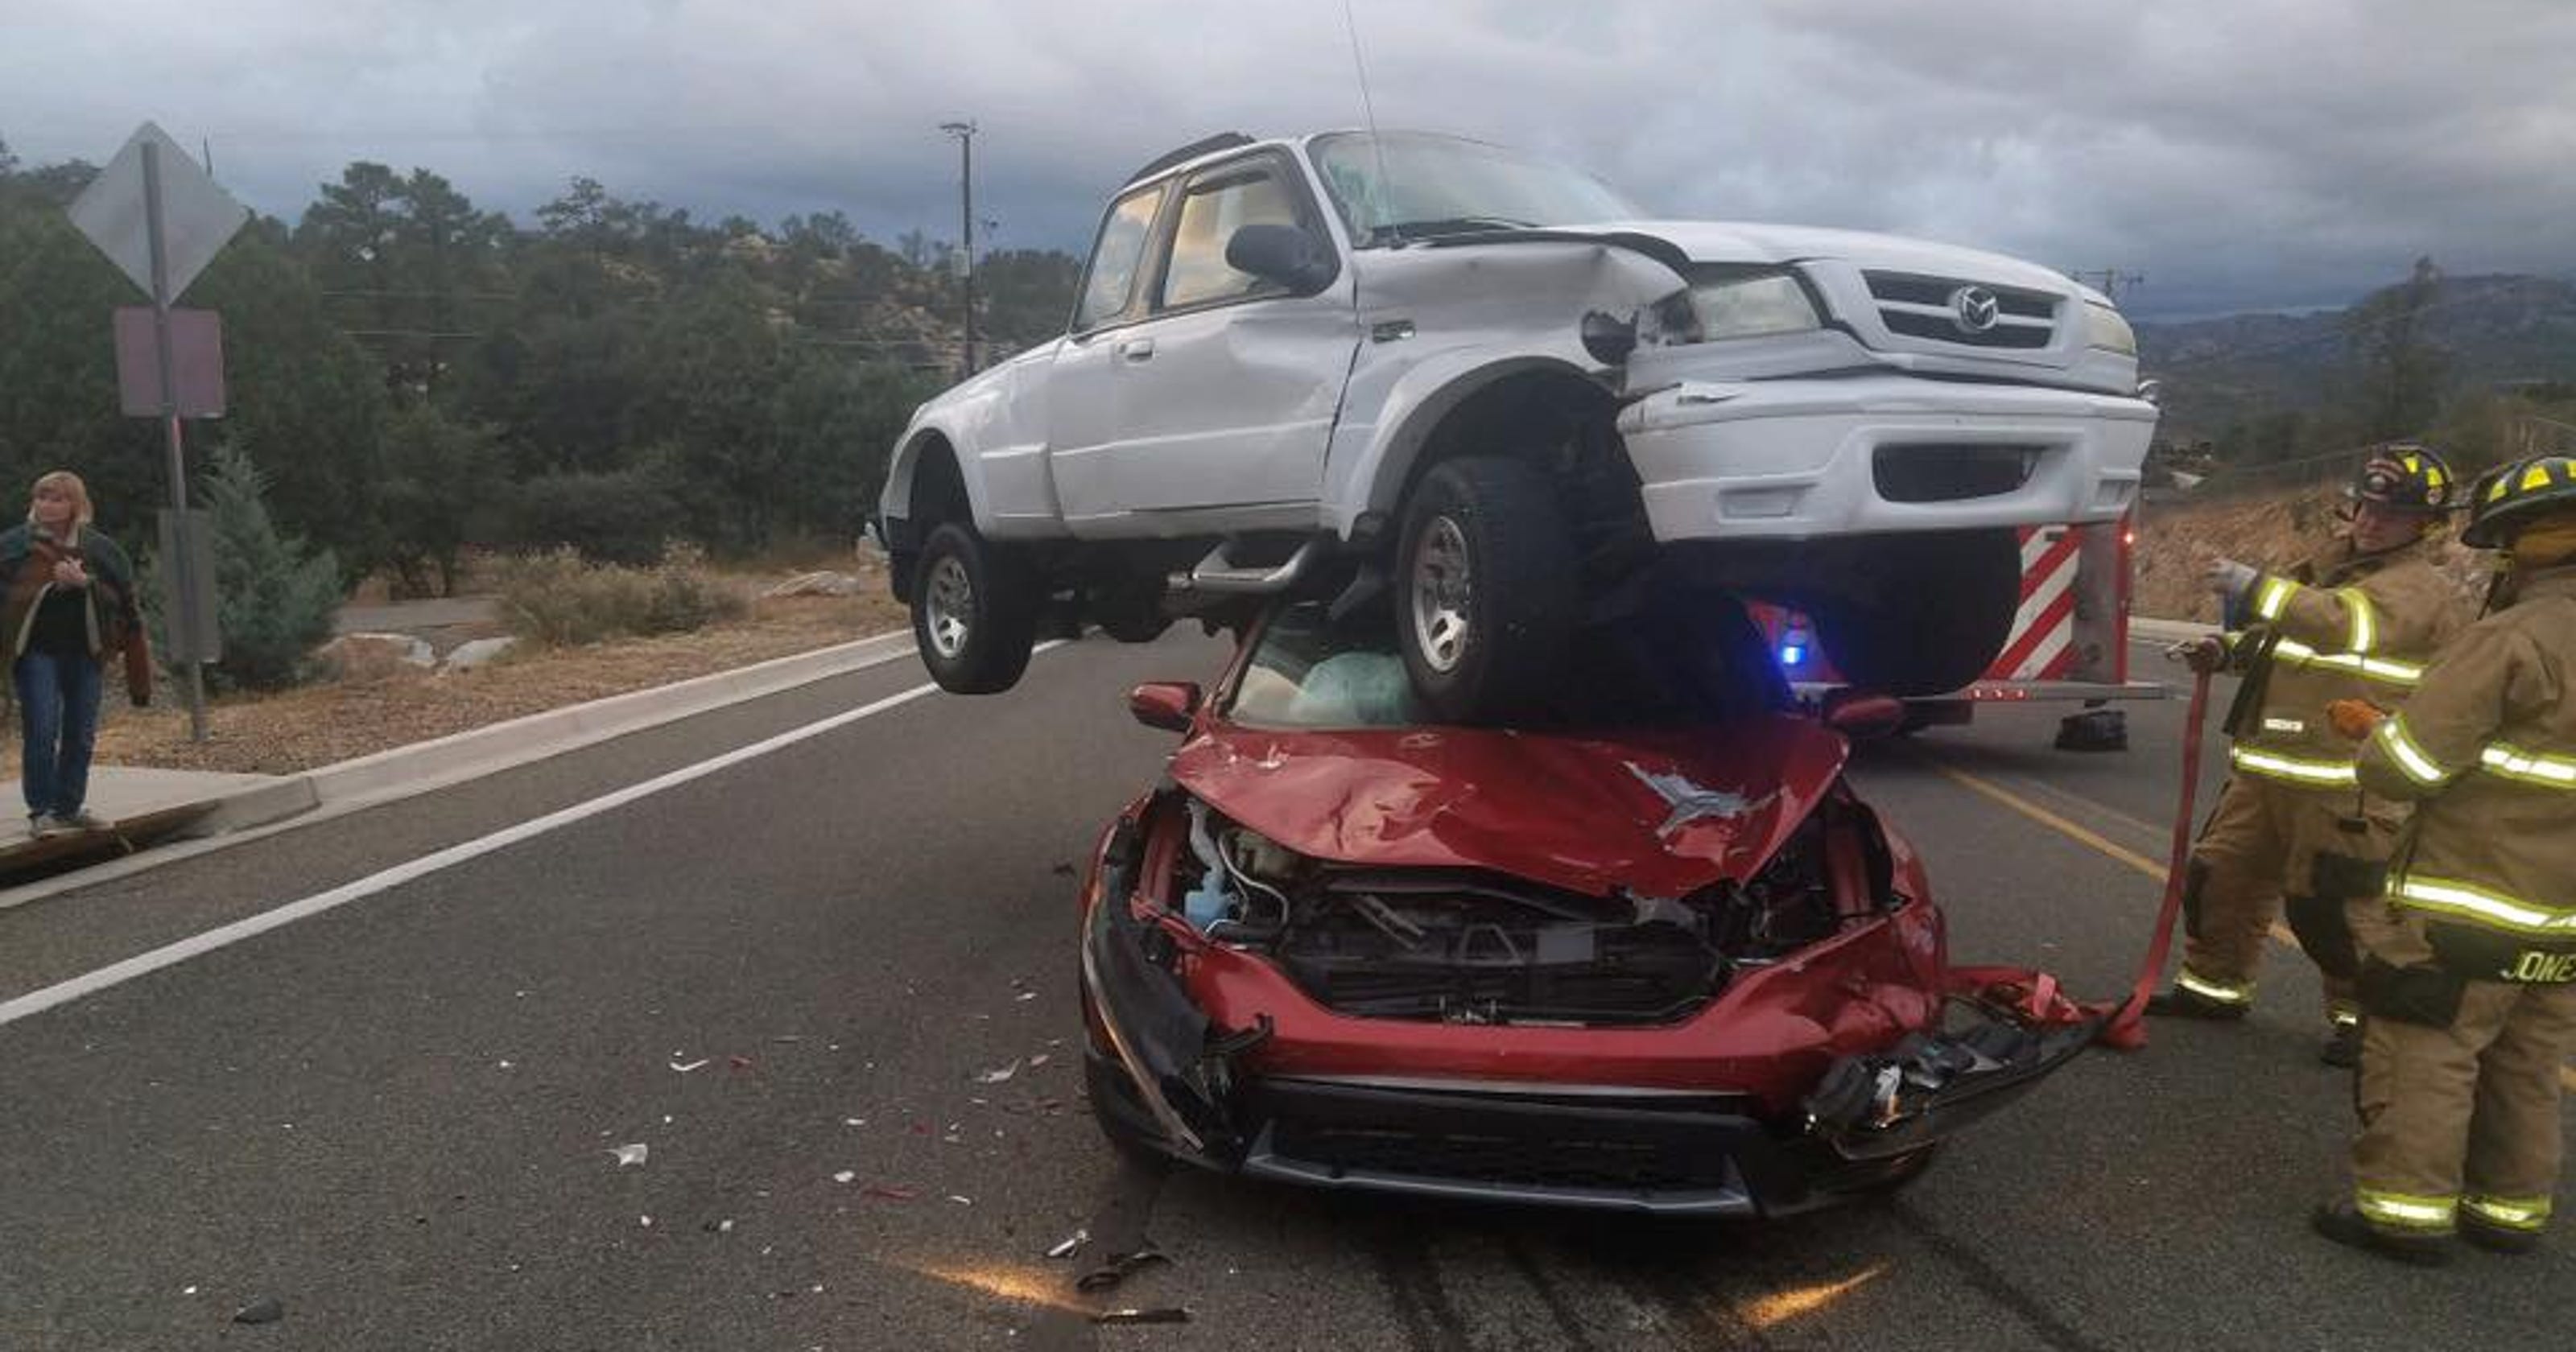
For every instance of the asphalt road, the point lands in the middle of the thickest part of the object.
(791, 980)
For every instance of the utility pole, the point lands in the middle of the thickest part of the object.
(2110, 281)
(965, 134)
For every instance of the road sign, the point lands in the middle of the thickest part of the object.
(197, 216)
(188, 550)
(196, 363)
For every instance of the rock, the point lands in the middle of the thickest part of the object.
(373, 657)
(817, 584)
(480, 652)
(267, 1310)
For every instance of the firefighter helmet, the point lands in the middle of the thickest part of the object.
(2405, 476)
(2515, 495)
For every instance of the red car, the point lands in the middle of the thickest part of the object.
(1647, 950)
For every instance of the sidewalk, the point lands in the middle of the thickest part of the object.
(138, 805)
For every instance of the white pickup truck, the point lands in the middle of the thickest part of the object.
(1481, 392)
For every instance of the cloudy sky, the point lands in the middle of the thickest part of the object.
(2239, 153)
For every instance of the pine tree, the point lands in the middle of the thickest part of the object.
(275, 595)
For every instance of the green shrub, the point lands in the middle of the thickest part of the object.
(558, 598)
(622, 516)
(275, 597)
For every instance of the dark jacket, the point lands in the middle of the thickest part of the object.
(114, 617)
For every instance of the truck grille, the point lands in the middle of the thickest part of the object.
(1916, 306)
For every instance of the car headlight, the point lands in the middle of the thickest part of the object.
(2105, 329)
(1738, 303)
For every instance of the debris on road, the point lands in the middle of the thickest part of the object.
(845, 1176)
(1065, 1248)
(1119, 1267)
(1168, 1314)
(961, 1199)
(1039, 1060)
(889, 1192)
(685, 1067)
(266, 1310)
(997, 1075)
(740, 1062)
(645, 1221)
(720, 1227)
(632, 1154)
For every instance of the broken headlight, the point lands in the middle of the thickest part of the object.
(2105, 329)
(1736, 303)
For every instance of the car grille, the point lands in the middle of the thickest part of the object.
(1916, 306)
(1693, 1143)
(1912, 472)
(1500, 1159)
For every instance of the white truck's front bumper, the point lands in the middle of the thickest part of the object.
(1806, 458)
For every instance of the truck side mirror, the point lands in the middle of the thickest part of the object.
(1284, 254)
(1864, 715)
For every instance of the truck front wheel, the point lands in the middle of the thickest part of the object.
(974, 611)
(1487, 596)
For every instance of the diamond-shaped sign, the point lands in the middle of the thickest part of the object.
(197, 216)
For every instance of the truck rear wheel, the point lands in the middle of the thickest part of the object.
(974, 611)
(1487, 595)
(1938, 615)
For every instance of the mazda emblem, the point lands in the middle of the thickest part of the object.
(1974, 309)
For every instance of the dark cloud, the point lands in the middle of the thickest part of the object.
(2238, 152)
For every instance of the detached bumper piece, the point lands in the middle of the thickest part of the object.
(1904, 1100)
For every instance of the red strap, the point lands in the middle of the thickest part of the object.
(2127, 1029)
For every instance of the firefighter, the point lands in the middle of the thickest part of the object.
(2292, 830)
(2470, 955)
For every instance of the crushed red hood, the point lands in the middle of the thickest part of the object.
(1654, 814)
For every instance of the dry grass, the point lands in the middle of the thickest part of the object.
(317, 725)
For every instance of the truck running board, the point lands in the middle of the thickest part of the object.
(1219, 574)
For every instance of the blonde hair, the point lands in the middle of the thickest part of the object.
(72, 488)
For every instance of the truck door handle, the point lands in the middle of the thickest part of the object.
(1137, 349)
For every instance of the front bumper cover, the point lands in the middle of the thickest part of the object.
(1162, 1077)
(1809, 458)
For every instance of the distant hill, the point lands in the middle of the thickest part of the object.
(2497, 328)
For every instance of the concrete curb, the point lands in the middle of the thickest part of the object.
(295, 801)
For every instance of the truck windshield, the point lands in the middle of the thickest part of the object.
(1399, 186)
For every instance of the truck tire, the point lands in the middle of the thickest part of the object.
(1486, 596)
(974, 611)
(1130, 612)
(1940, 616)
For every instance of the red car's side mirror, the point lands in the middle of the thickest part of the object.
(1863, 715)
(1169, 705)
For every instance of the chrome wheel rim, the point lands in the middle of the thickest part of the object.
(1443, 586)
(948, 602)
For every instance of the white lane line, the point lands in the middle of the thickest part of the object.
(168, 955)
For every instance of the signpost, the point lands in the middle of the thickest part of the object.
(161, 219)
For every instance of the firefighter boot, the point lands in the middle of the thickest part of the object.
(2496, 1238)
(2182, 1002)
(2343, 1045)
(2337, 1221)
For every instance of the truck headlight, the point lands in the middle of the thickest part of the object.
(1737, 303)
(2105, 329)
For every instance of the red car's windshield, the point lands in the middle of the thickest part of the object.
(1671, 665)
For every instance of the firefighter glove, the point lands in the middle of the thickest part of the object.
(2204, 655)
(2354, 718)
(2229, 578)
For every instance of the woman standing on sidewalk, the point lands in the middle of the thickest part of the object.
(69, 606)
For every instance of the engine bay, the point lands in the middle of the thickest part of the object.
(1467, 946)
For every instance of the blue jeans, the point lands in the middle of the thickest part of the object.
(58, 713)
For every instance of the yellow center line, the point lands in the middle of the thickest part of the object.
(2094, 840)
